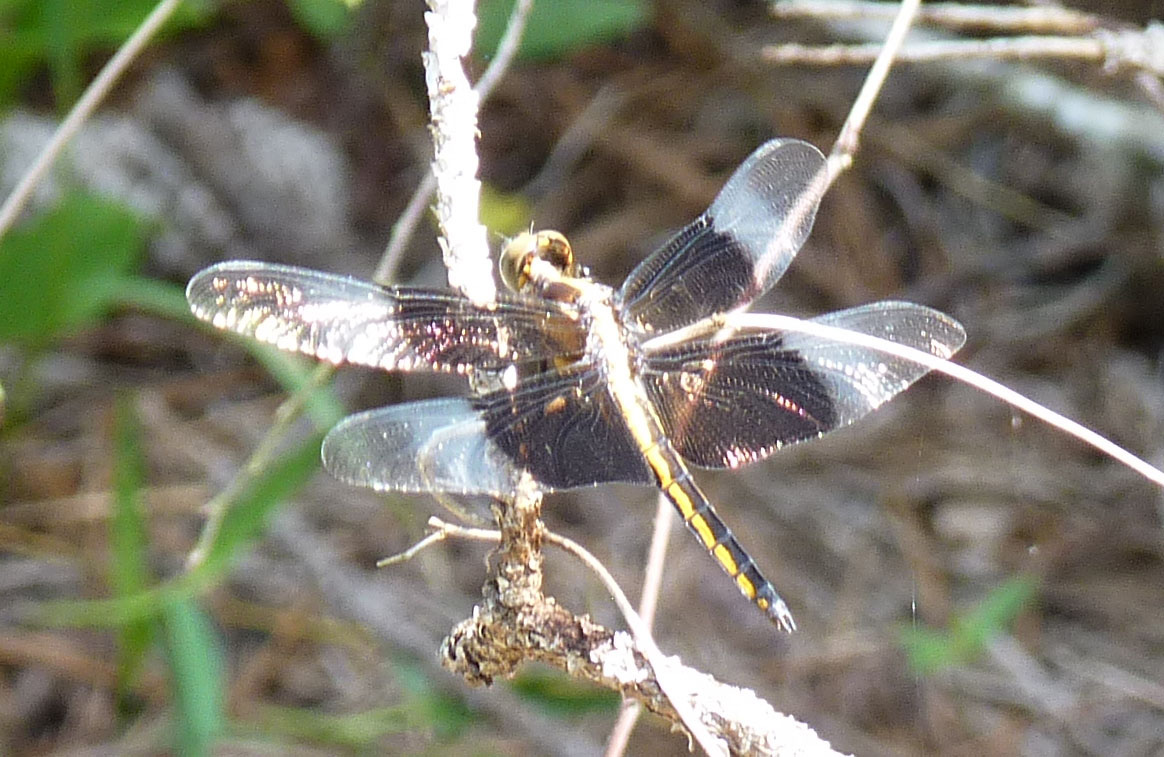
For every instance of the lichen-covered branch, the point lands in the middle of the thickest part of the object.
(453, 109)
(516, 622)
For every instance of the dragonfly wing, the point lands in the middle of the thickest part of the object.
(728, 402)
(345, 320)
(565, 428)
(432, 446)
(736, 250)
(561, 427)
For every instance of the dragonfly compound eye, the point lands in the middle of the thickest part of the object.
(519, 253)
(555, 249)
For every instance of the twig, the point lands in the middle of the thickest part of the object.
(624, 726)
(439, 535)
(516, 622)
(845, 147)
(640, 627)
(1001, 48)
(578, 137)
(672, 684)
(404, 227)
(629, 713)
(453, 109)
(1046, 19)
(656, 558)
(841, 156)
(506, 49)
(1133, 48)
(1085, 115)
(93, 95)
(405, 619)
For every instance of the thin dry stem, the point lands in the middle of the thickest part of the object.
(525, 569)
(439, 535)
(629, 713)
(624, 726)
(1044, 19)
(672, 685)
(1080, 37)
(1000, 48)
(506, 49)
(841, 156)
(404, 228)
(663, 516)
(286, 414)
(656, 558)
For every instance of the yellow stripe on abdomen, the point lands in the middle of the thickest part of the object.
(725, 558)
(700, 517)
(689, 507)
(749, 590)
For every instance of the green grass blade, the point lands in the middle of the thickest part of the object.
(129, 572)
(930, 650)
(556, 29)
(196, 678)
(357, 731)
(325, 19)
(248, 514)
(251, 510)
(51, 267)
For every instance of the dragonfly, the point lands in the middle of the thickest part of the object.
(574, 383)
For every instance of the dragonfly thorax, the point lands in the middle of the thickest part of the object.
(520, 254)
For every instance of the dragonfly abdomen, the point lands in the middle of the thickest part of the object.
(716, 537)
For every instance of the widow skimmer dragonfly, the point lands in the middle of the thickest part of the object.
(578, 384)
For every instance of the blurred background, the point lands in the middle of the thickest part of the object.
(966, 580)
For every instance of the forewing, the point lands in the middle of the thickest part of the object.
(345, 320)
(726, 403)
(737, 249)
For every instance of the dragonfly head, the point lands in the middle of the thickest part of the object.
(517, 261)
